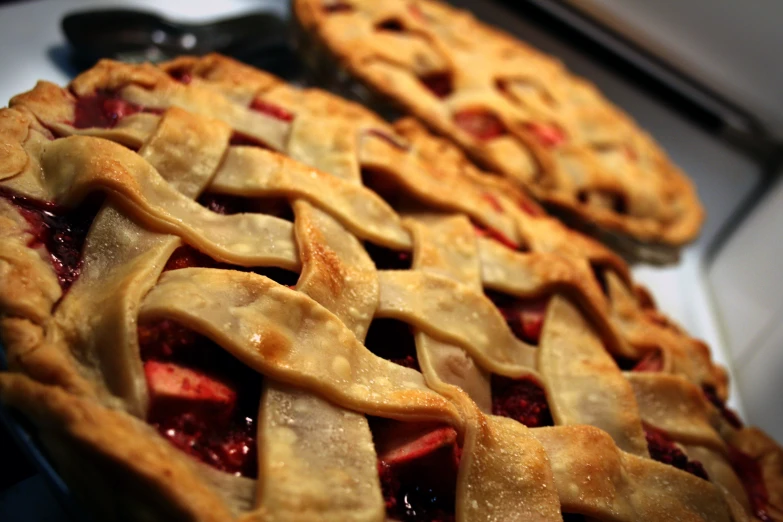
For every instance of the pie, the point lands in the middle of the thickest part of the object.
(514, 110)
(223, 297)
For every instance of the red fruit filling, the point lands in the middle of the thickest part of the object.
(392, 140)
(493, 201)
(104, 110)
(387, 259)
(225, 204)
(417, 13)
(181, 75)
(523, 400)
(663, 449)
(651, 362)
(60, 231)
(440, 84)
(525, 318)
(497, 236)
(417, 465)
(182, 388)
(392, 24)
(240, 139)
(749, 473)
(480, 123)
(547, 134)
(202, 399)
(731, 416)
(393, 340)
(269, 109)
(528, 207)
(188, 257)
(275, 111)
(337, 7)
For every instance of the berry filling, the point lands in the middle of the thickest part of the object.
(60, 231)
(269, 109)
(202, 399)
(417, 13)
(525, 318)
(393, 340)
(226, 205)
(548, 134)
(651, 362)
(417, 465)
(731, 417)
(176, 387)
(749, 473)
(440, 84)
(275, 111)
(528, 207)
(493, 201)
(104, 110)
(188, 257)
(181, 75)
(498, 236)
(392, 25)
(337, 7)
(523, 400)
(240, 139)
(392, 140)
(387, 259)
(663, 449)
(480, 123)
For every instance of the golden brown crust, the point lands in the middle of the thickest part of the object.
(14, 128)
(551, 237)
(594, 480)
(40, 353)
(95, 447)
(578, 178)
(768, 454)
(31, 287)
(93, 368)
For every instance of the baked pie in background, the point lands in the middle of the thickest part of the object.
(515, 110)
(225, 297)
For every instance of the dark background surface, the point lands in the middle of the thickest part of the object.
(15, 466)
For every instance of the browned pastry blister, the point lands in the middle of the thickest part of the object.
(225, 297)
(513, 109)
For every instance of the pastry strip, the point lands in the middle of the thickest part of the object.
(317, 460)
(289, 337)
(99, 313)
